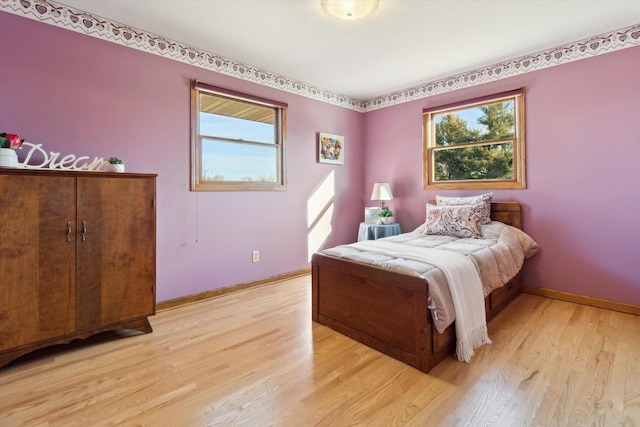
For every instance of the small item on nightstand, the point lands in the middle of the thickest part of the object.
(371, 214)
(385, 216)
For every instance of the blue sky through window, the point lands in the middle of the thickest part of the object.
(471, 116)
(234, 128)
(235, 161)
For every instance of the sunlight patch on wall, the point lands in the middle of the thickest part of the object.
(320, 213)
(321, 198)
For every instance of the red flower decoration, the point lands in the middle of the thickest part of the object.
(10, 140)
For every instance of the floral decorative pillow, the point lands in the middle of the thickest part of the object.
(458, 221)
(471, 200)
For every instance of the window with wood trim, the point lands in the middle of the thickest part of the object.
(237, 141)
(476, 144)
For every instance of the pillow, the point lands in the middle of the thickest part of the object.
(471, 200)
(529, 246)
(458, 221)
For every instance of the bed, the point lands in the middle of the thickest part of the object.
(391, 310)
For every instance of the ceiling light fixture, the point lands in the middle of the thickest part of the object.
(349, 9)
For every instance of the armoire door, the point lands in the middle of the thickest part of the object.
(115, 250)
(37, 258)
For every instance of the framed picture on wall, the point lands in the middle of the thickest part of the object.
(330, 148)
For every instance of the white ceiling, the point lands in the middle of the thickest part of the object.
(403, 44)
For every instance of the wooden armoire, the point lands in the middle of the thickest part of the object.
(77, 256)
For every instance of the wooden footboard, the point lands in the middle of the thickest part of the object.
(382, 309)
(387, 310)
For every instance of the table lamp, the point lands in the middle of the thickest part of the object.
(382, 192)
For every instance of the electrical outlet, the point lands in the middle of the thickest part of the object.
(255, 256)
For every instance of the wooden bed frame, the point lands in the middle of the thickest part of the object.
(387, 310)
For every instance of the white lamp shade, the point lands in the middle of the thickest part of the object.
(381, 191)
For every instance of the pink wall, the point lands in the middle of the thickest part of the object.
(80, 95)
(582, 203)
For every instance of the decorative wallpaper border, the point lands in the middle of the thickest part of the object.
(593, 46)
(53, 13)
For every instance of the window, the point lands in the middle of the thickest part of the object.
(237, 141)
(476, 144)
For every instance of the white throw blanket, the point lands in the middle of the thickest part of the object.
(465, 288)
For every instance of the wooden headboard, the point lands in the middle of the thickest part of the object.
(506, 212)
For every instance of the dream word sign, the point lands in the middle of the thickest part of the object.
(52, 160)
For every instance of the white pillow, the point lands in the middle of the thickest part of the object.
(485, 199)
(458, 221)
(529, 246)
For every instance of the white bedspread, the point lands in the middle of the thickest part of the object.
(464, 285)
(497, 256)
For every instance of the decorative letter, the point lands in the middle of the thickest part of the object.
(34, 148)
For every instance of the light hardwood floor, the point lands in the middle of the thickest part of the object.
(255, 358)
